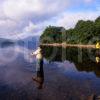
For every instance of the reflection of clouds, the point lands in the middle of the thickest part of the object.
(71, 71)
(26, 52)
(66, 66)
(15, 70)
(7, 54)
(11, 53)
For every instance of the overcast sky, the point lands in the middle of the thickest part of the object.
(23, 18)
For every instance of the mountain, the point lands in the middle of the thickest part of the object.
(29, 42)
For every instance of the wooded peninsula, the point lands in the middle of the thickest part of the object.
(84, 33)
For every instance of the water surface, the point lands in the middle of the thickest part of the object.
(70, 74)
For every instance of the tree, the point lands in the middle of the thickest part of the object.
(52, 33)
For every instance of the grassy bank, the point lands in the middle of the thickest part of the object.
(68, 45)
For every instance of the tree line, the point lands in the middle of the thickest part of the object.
(84, 32)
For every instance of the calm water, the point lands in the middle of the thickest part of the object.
(83, 60)
(70, 74)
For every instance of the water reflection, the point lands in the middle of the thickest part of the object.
(39, 67)
(97, 59)
(84, 59)
(97, 56)
(39, 79)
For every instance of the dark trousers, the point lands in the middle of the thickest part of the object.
(40, 72)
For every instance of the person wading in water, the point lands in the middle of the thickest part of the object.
(39, 67)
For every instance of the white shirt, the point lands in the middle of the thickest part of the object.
(38, 53)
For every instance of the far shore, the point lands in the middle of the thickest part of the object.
(69, 45)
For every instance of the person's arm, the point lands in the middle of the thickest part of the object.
(34, 53)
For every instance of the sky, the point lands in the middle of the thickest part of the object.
(23, 18)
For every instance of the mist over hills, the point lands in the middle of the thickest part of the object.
(29, 42)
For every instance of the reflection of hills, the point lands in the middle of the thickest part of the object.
(84, 59)
(6, 42)
(89, 67)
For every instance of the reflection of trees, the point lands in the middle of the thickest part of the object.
(72, 54)
(51, 53)
(98, 52)
(89, 67)
(81, 58)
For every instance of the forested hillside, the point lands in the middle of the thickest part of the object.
(84, 32)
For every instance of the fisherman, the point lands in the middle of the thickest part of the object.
(39, 67)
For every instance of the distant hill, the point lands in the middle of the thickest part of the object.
(29, 42)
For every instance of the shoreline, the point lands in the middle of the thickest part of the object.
(68, 45)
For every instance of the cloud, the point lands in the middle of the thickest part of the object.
(7, 25)
(15, 16)
(30, 30)
(17, 9)
(88, 1)
(24, 8)
(21, 18)
(31, 27)
(68, 20)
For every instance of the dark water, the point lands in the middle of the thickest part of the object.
(70, 74)
(83, 59)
